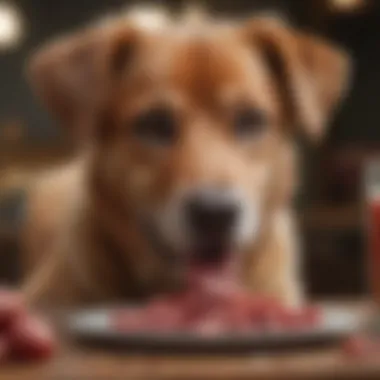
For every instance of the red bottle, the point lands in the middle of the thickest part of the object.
(374, 248)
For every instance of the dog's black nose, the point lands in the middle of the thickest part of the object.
(211, 216)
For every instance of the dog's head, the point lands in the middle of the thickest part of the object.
(188, 122)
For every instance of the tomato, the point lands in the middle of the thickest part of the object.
(4, 349)
(29, 339)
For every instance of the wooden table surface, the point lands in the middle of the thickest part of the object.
(75, 362)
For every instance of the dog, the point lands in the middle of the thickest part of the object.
(187, 155)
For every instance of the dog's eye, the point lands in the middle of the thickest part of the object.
(156, 126)
(249, 122)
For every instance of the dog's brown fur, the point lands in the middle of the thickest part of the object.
(96, 81)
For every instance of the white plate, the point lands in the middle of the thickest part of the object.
(92, 326)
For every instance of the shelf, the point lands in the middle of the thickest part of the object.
(32, 155)
(348, 217)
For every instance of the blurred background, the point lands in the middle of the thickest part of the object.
(329, 203)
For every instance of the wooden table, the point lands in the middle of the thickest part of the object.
(79, 364)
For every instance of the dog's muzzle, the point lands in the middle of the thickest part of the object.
(206, 224)
(211, 216)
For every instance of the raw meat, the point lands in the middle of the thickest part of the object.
(212, 307)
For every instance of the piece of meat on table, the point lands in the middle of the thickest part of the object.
(208, 312)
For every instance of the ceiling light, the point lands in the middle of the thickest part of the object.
(150, 18)
(11, 26)
(346, 5)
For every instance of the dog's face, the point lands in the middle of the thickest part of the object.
(193, 129)
(188, 122)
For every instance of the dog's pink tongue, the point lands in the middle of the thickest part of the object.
(215, 279)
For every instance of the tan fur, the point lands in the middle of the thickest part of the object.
(49, 195)
(202, 71)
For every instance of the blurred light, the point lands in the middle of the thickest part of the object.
(11, 28)
(150, 18)
(347, 5)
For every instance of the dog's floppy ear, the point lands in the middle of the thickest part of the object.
(310, 74)
(72, 75)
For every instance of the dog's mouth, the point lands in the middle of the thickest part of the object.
(212, 260)
(210, 253)
(208, 257)
(212, 264)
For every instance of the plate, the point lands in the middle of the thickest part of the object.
(93, 327)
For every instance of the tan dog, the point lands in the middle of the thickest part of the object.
(189, 155)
